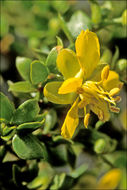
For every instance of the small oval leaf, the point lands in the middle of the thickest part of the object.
(28, 147)
(29, 127)
(50, 121)
(26, 112)
(6, 107)
(51, 59)
(23, 67)
(23, 86)
(38, 72)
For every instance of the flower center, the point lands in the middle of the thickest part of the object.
(92, 93)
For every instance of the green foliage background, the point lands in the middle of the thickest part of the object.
(33, 154)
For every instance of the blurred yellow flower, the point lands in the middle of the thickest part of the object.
(79, 88)
(110, 180)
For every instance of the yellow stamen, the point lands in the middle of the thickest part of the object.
(117, 99)
(101, 115)
(86, 119)
(82, 103)
(114, 109)
(90, 91)
(114, 91)
(111, 100)
(105, 73)
(80, 90)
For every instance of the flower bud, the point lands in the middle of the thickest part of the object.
(99, 146)
(106, 56)
(110, 180)
(121, 65)
(54, 24)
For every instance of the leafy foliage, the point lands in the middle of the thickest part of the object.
(33, 154)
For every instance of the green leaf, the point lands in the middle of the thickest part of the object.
(4, 25)
(100, 146)
(121, 68)
(60, 6)
(40, 117)
(96, 75)
(28, 147)
(16, 172)
(5, 130)
(119, 31)
(51, 59)
(6, 107)
(62, 182)
(96, 13)
(51, 93)
(99, 124)
(23, 67)
(38, 72)
(43, 179)
(120, 159)
(41, 54)
(79, 171)
(58, 155)
(71, 157)
(115, 58)
(50, 121)
(2, 152)
(59, 41)
(29, 127)
(121, 65)
(9, 136)
(23, 86)
(26, 112)
(60, 140)
(79, 21)
(106, 56)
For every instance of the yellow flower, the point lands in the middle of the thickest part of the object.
(81, 87)
(110, 180)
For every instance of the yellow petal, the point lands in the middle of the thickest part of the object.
(105, 73)
(110, 180)
(86, 119)
(67, 63)
(51, 93)
(114, 92)
(88, 51)
(117, 99)
(112, 81)
(100, 108)
(96, 75)
(70, 85)
(71, 121)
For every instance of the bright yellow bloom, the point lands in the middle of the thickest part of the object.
(110, 180)
(81, 87)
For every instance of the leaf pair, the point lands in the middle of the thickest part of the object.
(32, 72)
